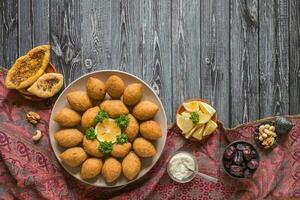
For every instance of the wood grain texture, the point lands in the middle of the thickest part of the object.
(215, 64)
(273, 57)
(244, 61)
(33, 24)
(65, 38)
(95, 35)
(294, 31)
(155, 49)
(125, 35)
(185, 51)
(241, 55)
(10, 32)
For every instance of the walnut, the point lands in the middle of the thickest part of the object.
(33, 117)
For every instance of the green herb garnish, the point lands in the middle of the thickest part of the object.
(90, 133)
(102, 115)
(122, 121)
(194, 117)
(105, 147)
(123, 138)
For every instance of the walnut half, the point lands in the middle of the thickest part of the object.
(33, 117)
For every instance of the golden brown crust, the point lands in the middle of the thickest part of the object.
(95, 88)
(91, 168)
(150, 130)
(67, 117)
(68, 137)
(132, 130)
(79, 100)
(88, 117)
(111, 169)
(114, 86)
(131, 166)
(91, 147)
(47, 85)
(74, 156)
(28, 68)
(143, 147)
(133, 94)
(114, 108)
(145, 110)
(120, 150)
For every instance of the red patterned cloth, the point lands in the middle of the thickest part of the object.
(31, 171)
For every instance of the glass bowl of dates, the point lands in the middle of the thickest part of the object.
(267, 134)
(240, 159)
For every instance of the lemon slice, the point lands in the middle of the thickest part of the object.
(186, 114)
(107, 130)
(190, 133)
(203, 118)
(184, 123)
(198, 133)
(207, 109)
(210, 127)
(191, 106)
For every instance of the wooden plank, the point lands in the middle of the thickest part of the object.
(244, 61)
(41, 17)
(96, 35)
(273, 57)
(125, 36)
(65, 38)
(294, 33)
(155, 49)
(185, 51)
(215, 65)
(25, 26)
(10, 32)
(33, 24)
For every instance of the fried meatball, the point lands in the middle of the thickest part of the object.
(150, 130)
(114, 108)
(143, 147)
(132, 130)
(131, 166)
(145, 110)
(120, 150)
(69, 137)
(91, 168)
(133, 94)
(111, 169)
(67, 117)
(114, 86)
(88, 117)
(91, 147)
(79, 100)
(74, 156)
(95, 88)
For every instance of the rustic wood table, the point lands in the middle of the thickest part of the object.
(243, 56)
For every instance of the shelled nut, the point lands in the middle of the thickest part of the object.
(37, 136)
(33, 117)
(267, 135)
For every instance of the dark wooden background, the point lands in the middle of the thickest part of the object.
(243, 56)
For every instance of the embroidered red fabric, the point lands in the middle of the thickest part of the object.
(31, 171)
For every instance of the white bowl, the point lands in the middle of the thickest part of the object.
(149, 94)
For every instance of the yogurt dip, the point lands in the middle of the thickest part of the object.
(178, 164)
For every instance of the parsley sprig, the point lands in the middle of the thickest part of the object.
(122, 121)
(194, 116)
(90, 133)
(105, 147)
(123, 138)
(102, 115)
